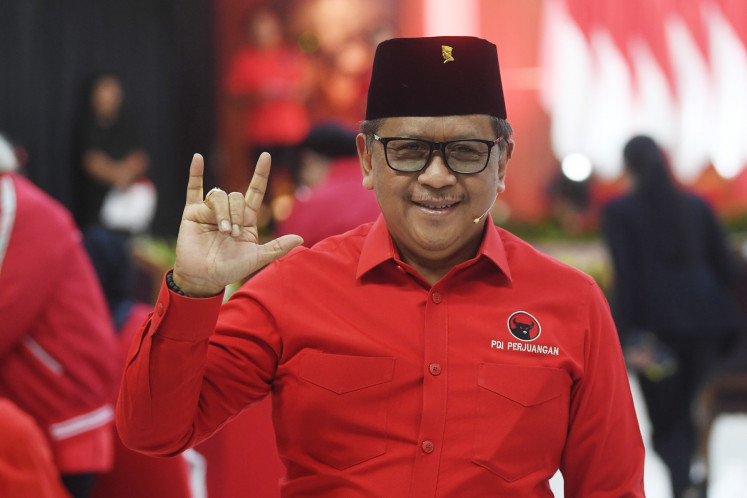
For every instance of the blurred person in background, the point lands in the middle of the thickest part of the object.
(58, 356)
(330, 198)
(341, 81)
(673, 273)
(113, 190)
(115, 200)
(268, 80)
(27, 469)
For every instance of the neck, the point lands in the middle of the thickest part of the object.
(433, 267)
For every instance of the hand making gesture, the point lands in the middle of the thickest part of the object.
(218, 239)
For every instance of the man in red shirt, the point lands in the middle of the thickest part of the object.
(426, 354)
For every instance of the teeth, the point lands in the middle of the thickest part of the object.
(441, 206)
(433, 206)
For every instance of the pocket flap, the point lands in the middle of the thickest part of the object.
(525, 385)
(343, 373)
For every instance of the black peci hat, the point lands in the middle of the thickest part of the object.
(435, 76)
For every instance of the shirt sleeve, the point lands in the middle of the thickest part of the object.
(195, 365)
(158, 405)
(33, 272)
(604, 452)
(25, 288)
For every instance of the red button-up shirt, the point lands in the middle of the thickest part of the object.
(485, 384)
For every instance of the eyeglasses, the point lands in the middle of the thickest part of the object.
(411, 155)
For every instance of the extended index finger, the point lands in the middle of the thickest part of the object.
(194, 186)
(257, 187)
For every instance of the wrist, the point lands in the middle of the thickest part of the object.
(177, 285)
(172, 285)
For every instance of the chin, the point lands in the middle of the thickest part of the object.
(436, 244)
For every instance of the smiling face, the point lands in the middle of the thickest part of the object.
(430, 213)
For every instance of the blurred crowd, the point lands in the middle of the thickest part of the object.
(74, 290)
(284, 87)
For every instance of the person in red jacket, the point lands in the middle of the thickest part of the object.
(26, 465)
(429, 353)
(58, 357)
(267, 83)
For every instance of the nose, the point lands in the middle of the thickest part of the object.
(436, 174)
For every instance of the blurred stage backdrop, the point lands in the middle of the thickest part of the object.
(580, 76)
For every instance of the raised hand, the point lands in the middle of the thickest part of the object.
(218, 239)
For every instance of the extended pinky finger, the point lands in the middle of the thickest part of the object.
(194, 186)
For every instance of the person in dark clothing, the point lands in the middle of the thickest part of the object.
(672, 301)
(109, 153)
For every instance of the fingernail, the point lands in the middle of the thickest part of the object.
(236, 231)
(225, 226)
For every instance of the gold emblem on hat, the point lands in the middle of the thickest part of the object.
(446, 52)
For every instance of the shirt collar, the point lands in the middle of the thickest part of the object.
(378, 247)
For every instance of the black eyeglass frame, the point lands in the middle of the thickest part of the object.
(441, 147)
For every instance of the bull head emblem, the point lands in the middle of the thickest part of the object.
(522, 326)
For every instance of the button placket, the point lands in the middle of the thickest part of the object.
(433, 415)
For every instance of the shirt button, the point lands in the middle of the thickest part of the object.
(436, 297)
(427, 446)
(434, 368)
(159, 309)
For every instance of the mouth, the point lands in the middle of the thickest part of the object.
(436, 207)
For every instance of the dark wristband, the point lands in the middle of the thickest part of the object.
(171, 285)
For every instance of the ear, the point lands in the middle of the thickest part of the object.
(510, 145)
(503, 165)
(364, 156)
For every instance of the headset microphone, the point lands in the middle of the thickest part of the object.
(477, 220)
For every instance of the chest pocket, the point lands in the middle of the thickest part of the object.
(346, 405)
(522, 418)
